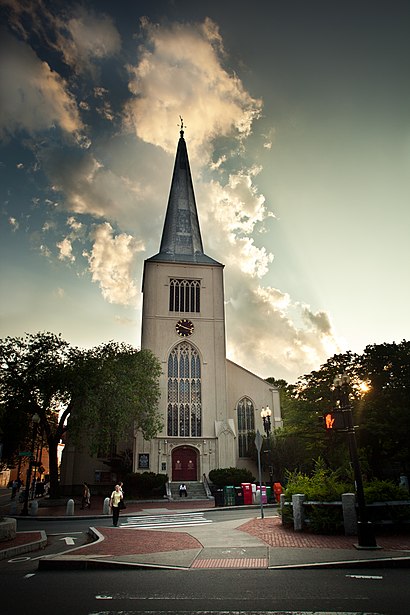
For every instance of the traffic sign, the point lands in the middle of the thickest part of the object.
(25, 454)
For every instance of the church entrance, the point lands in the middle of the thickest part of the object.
(184, 464)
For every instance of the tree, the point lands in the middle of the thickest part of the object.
(380, 397)
(384, 412)
(98, 395)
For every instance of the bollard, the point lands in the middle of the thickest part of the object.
(404, 482)
(13, 508)
(70, 508)
(106, 506)
(298, 511)
(349, 513)
(33, 508)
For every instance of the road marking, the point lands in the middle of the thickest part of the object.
(16, 560)
(363, 576)
(59, 533)
(233, 613)
(31, 574)
(68, 540)
(161, 521)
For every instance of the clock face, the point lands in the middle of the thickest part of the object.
(184, 327)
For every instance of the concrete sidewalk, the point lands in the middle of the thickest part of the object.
(250, 543)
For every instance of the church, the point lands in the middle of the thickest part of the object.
(210, 405)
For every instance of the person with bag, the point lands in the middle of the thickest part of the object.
(115, 500)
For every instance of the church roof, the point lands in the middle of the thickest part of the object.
(181, 236)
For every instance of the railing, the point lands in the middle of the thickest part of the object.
(168, 491)
(380, 513)
(207, 488)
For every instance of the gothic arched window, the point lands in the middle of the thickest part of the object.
(246, 424)
(184, 404)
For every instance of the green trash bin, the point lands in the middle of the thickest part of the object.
(229, 495)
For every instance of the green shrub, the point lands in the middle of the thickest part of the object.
(384, 491)
(325, 519)
(222, 477)
(323, 486)
(144, 484)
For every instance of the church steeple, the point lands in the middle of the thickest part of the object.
(181, 236)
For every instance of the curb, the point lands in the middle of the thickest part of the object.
(90, 563)
(26, 548)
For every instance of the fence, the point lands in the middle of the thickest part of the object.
(343, 514)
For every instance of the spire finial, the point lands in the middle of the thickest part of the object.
(181, 132)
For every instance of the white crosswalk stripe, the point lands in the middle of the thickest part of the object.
(163, 521)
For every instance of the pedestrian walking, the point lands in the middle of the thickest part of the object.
(116, 504)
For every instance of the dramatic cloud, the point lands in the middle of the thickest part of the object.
(111, 263)
(32, 96)
(87, 37)
(180, 71)
(79, 34)
(117, 183)
(273, 336)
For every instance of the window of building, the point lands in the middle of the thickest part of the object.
(246, 425)
(184, 295)
(184, 406)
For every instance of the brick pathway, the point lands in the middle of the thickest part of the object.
(274, 534)
(132, 542)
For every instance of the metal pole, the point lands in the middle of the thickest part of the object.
(268, 450)
(260, 483)
(365, 533)
(258, 444)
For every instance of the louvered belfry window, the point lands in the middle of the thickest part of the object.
(184, 295)
(184, 392)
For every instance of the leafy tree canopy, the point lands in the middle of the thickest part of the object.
(99, 395)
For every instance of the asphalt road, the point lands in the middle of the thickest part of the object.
(243, 592)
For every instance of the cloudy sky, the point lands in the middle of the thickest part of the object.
(297, 121)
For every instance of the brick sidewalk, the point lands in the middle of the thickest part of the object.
(274, 534)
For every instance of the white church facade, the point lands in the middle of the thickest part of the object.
(210, 405)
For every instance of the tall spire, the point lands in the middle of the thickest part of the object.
(181, 236)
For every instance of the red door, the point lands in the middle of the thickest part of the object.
(184, 464)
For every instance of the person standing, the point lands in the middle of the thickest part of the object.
(183, 490)
(115, 500)
(86, 497)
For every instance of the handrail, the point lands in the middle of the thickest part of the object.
(207, 487)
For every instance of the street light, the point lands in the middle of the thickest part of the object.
(35, 421)
(266, 413)
(341, 389)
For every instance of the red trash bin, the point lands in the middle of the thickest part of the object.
(247, 493)
(277, 490)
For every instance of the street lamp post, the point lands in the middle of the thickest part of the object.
(35, 420)
(266, 413)
(365, 534)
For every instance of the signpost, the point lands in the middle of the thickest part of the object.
(258, 444)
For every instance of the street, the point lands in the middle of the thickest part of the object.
(240, 592)
(243, 592)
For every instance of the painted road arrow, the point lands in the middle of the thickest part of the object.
(68, 540)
